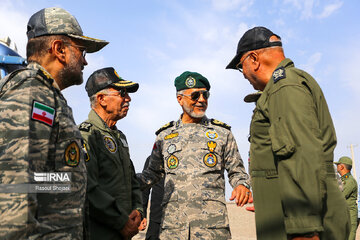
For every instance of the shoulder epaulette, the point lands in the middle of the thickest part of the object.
(170, 124)
(221, 124)
(9, 77)
(85, 126)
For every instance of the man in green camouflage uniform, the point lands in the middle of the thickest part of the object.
(292, 142)
(38, 133)
(193, 154)
(113, 191)
(350, 191)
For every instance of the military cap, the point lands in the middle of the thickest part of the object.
(57, 21)
(344, 160)
(191, 80)
(108, 77)
(255, 38)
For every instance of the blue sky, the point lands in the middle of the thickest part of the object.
(153, 41)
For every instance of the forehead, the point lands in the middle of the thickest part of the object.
(190, 90)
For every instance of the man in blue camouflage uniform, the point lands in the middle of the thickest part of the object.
(193, 153)
(38, 133)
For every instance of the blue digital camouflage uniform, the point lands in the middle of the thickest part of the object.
(193, 158)
(38, 134)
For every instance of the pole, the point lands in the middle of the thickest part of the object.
(353, 160)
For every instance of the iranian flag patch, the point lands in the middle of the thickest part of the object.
(43, 113)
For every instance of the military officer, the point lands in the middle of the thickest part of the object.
(292, 139)
(350, 191)
(113, 193)
(38, 134)
(193, 153)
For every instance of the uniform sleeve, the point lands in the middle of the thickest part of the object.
(137, 202)
(101, 204)
(299, 154)
(146, 192)
(24, 149)
(155, 172)
(348, 189)
(234, 164)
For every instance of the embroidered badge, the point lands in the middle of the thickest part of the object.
(211, 134)
(172, 162)
(210, 160)
(171, 135)
(190, 82)
(279, 74)
(87, 158)
(211, 146)
(171, 149)
(43, 113)
(85, 126)
(110, 144)
(72, 154)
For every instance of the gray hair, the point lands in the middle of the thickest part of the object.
(93, 98)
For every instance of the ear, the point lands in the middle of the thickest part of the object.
(254, 60)
(58, 50)
(179, 99)
(101, 100)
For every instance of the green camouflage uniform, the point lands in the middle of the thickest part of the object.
(350, 192)
(193, 158)
(39, 143)
(292, 141)
(113, 190)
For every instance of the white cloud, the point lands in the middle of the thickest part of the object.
(226, 5)
(330, 9)
(310, 65)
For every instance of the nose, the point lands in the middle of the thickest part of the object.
(201, 98)
(85, 62)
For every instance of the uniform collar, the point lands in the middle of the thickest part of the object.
(44, 73)
(204, 122)
(347, 175)
(98, 122)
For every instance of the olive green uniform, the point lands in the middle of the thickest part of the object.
(292, 141)
(350, 192)
(113, 191)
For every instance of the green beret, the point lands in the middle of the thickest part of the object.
(191, 80)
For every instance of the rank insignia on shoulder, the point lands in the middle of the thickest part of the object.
(170, 124)
(43, 113)
(72, 154)
(279, 74)
(45, 75)
(171, 135)
(210, 160)
(172, 162)
(110, 144)
(85, 126)
(221, 124)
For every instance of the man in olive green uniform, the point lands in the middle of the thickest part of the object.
(38, 135)
(350, 191)
(113, 193)
(193, 153)
(292, 142)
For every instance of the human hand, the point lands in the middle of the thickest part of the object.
(241, 194)
(131, 227)
(142, 226)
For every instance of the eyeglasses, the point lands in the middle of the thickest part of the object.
(82, 49)
(196, 95)
(121, 93)
(240, 65)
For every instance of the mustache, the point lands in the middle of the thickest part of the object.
(126, 105)
(200, 104)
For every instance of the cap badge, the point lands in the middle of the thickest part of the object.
(210, 160)
(172, 162)
(190, 82)
(110, 144)
(72, 154)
